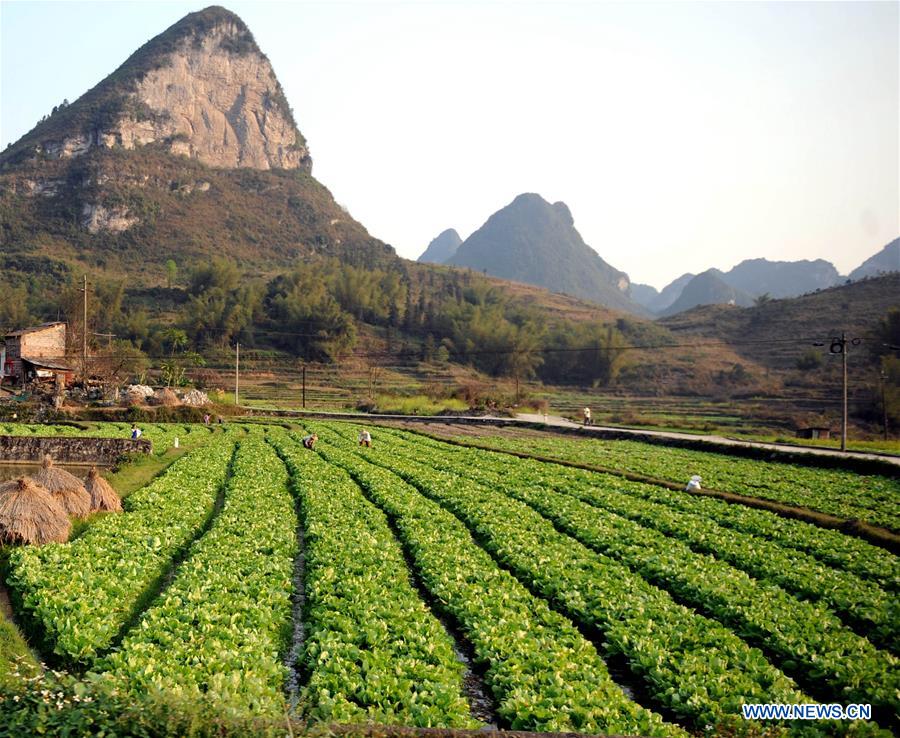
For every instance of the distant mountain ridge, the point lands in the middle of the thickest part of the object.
(781, 278)
(708, 288)
(884, 262)
(441, 248)
(655, 301)
(535, 242)
(756, 277)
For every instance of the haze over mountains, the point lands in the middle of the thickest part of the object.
(885, 261)
(442, 248)
(189, 150)
(534, 242)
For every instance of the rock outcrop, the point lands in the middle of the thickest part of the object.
(202, 89)
(188, 151)
(97, 218)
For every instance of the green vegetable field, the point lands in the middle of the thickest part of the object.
(255, 587)
(872, 498)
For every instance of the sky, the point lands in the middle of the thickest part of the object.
(682, 135)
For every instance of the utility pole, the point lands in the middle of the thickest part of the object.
(304, 386)
(84, 332)
(884, 418)
(842, 346)
(844, 392)
(237, 373)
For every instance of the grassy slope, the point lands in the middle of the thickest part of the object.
(781, 330)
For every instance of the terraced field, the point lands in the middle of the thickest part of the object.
(424, 584)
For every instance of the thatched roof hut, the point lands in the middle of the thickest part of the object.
(30, 514)
(103, 496)
(65, 487)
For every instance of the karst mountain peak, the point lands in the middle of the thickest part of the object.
(202, 88)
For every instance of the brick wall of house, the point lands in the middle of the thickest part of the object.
(47, 343)
(44, 343)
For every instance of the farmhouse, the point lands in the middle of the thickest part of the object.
(37, 353)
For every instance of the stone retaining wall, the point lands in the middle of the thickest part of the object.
(71, 450)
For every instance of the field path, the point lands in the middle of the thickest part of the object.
(559, 422)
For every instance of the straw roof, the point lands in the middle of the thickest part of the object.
(65, 487)
(103, 496)
(134, 398)
(30, 514)
(164, 396)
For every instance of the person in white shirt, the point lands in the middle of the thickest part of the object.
(365, 438)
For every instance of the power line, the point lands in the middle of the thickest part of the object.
(491, 352)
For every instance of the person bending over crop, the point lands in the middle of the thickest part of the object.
(365, 438)
(310, 441)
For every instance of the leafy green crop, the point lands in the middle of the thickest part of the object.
(874, 612)
(831, 547)
(82, 593)
(806, 638)
(543, 673)
(217, 633)
(842, 493)
(693, 665)
(373, 651)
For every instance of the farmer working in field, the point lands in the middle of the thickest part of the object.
(310, 441)
(587, 416)
(365, 438)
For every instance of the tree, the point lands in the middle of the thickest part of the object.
(886, 336)
(811, 359)
(306, 319)
(171, 273)
(13, 307)
(122, 361)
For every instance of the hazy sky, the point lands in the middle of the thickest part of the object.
(682, 135)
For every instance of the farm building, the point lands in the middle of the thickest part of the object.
(37, 353)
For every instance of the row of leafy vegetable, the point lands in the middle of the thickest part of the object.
(831, 547)
(805, 638)
(650, 527)
(543, 673)
(837, 492)
(217, 633)
(373, 651)
(692, 665)
(81, 594)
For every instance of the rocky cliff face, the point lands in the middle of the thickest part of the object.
(202, 89)
(217, 107)
(187, 151)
